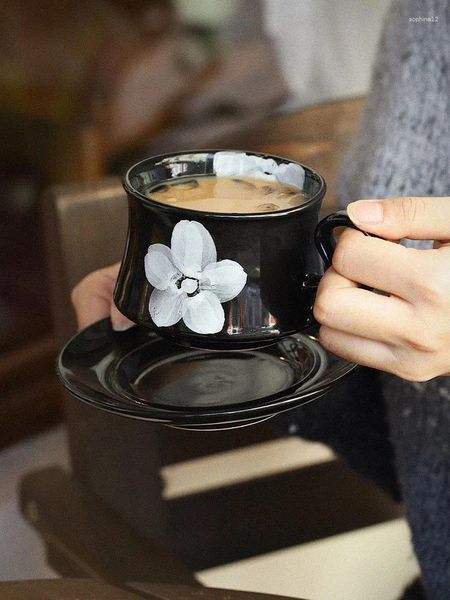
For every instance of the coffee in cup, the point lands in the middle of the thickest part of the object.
(228, 194)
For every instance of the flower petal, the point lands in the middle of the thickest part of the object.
(166, 306)
(203, 313)
(290, 173)
(159, 267)
(192, 247)
(226, 279)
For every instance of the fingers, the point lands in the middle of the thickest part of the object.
(405, 333)
(353, 348)
(381, 356)
(361, 312)
(119, 321)
(92, 299)
(380, 264)
(415, 218)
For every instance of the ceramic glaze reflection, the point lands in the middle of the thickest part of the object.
(214, 379)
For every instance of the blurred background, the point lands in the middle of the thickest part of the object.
(87, 87)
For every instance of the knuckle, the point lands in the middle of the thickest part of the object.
(433, 287)
(342, 254)
(322, 307)
(420, 339)
(406, 373)
(428, 276)
(411, 211)
(420, 344)
(83, 287)
(415, 372)
(76, 293)
(432, 290)
(326, 338)
(319, 310)
(407, 367)
(418, 359)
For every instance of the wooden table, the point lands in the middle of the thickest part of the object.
(86, 589)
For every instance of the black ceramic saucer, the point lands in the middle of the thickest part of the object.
(140, 375)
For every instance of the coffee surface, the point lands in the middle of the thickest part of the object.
(228, 194)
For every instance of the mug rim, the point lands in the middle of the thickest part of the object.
(217, 215)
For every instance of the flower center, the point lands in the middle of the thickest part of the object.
(188, 285)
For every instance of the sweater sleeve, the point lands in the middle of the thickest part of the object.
(403, 148)
(403, 145)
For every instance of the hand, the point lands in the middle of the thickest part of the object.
(92, 299)
(406, 332)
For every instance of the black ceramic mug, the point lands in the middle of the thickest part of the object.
(222, 280)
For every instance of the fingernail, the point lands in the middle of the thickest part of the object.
(122, 325)
(366, 211)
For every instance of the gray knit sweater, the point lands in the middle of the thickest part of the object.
(404, 149)
(398, 433)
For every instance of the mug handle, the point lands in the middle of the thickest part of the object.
(323, 236)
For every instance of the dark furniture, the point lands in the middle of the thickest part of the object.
(86, 589)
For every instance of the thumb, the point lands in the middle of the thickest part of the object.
(414, 218)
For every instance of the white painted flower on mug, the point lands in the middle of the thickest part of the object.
(189, 282)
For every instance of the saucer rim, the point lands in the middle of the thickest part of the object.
(205, 415)
(188, 423)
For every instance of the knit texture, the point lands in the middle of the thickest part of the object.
(402, 149)
(404, 140)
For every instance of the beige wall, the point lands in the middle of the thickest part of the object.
(325, 47)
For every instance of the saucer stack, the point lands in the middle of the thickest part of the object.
(143, 376)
